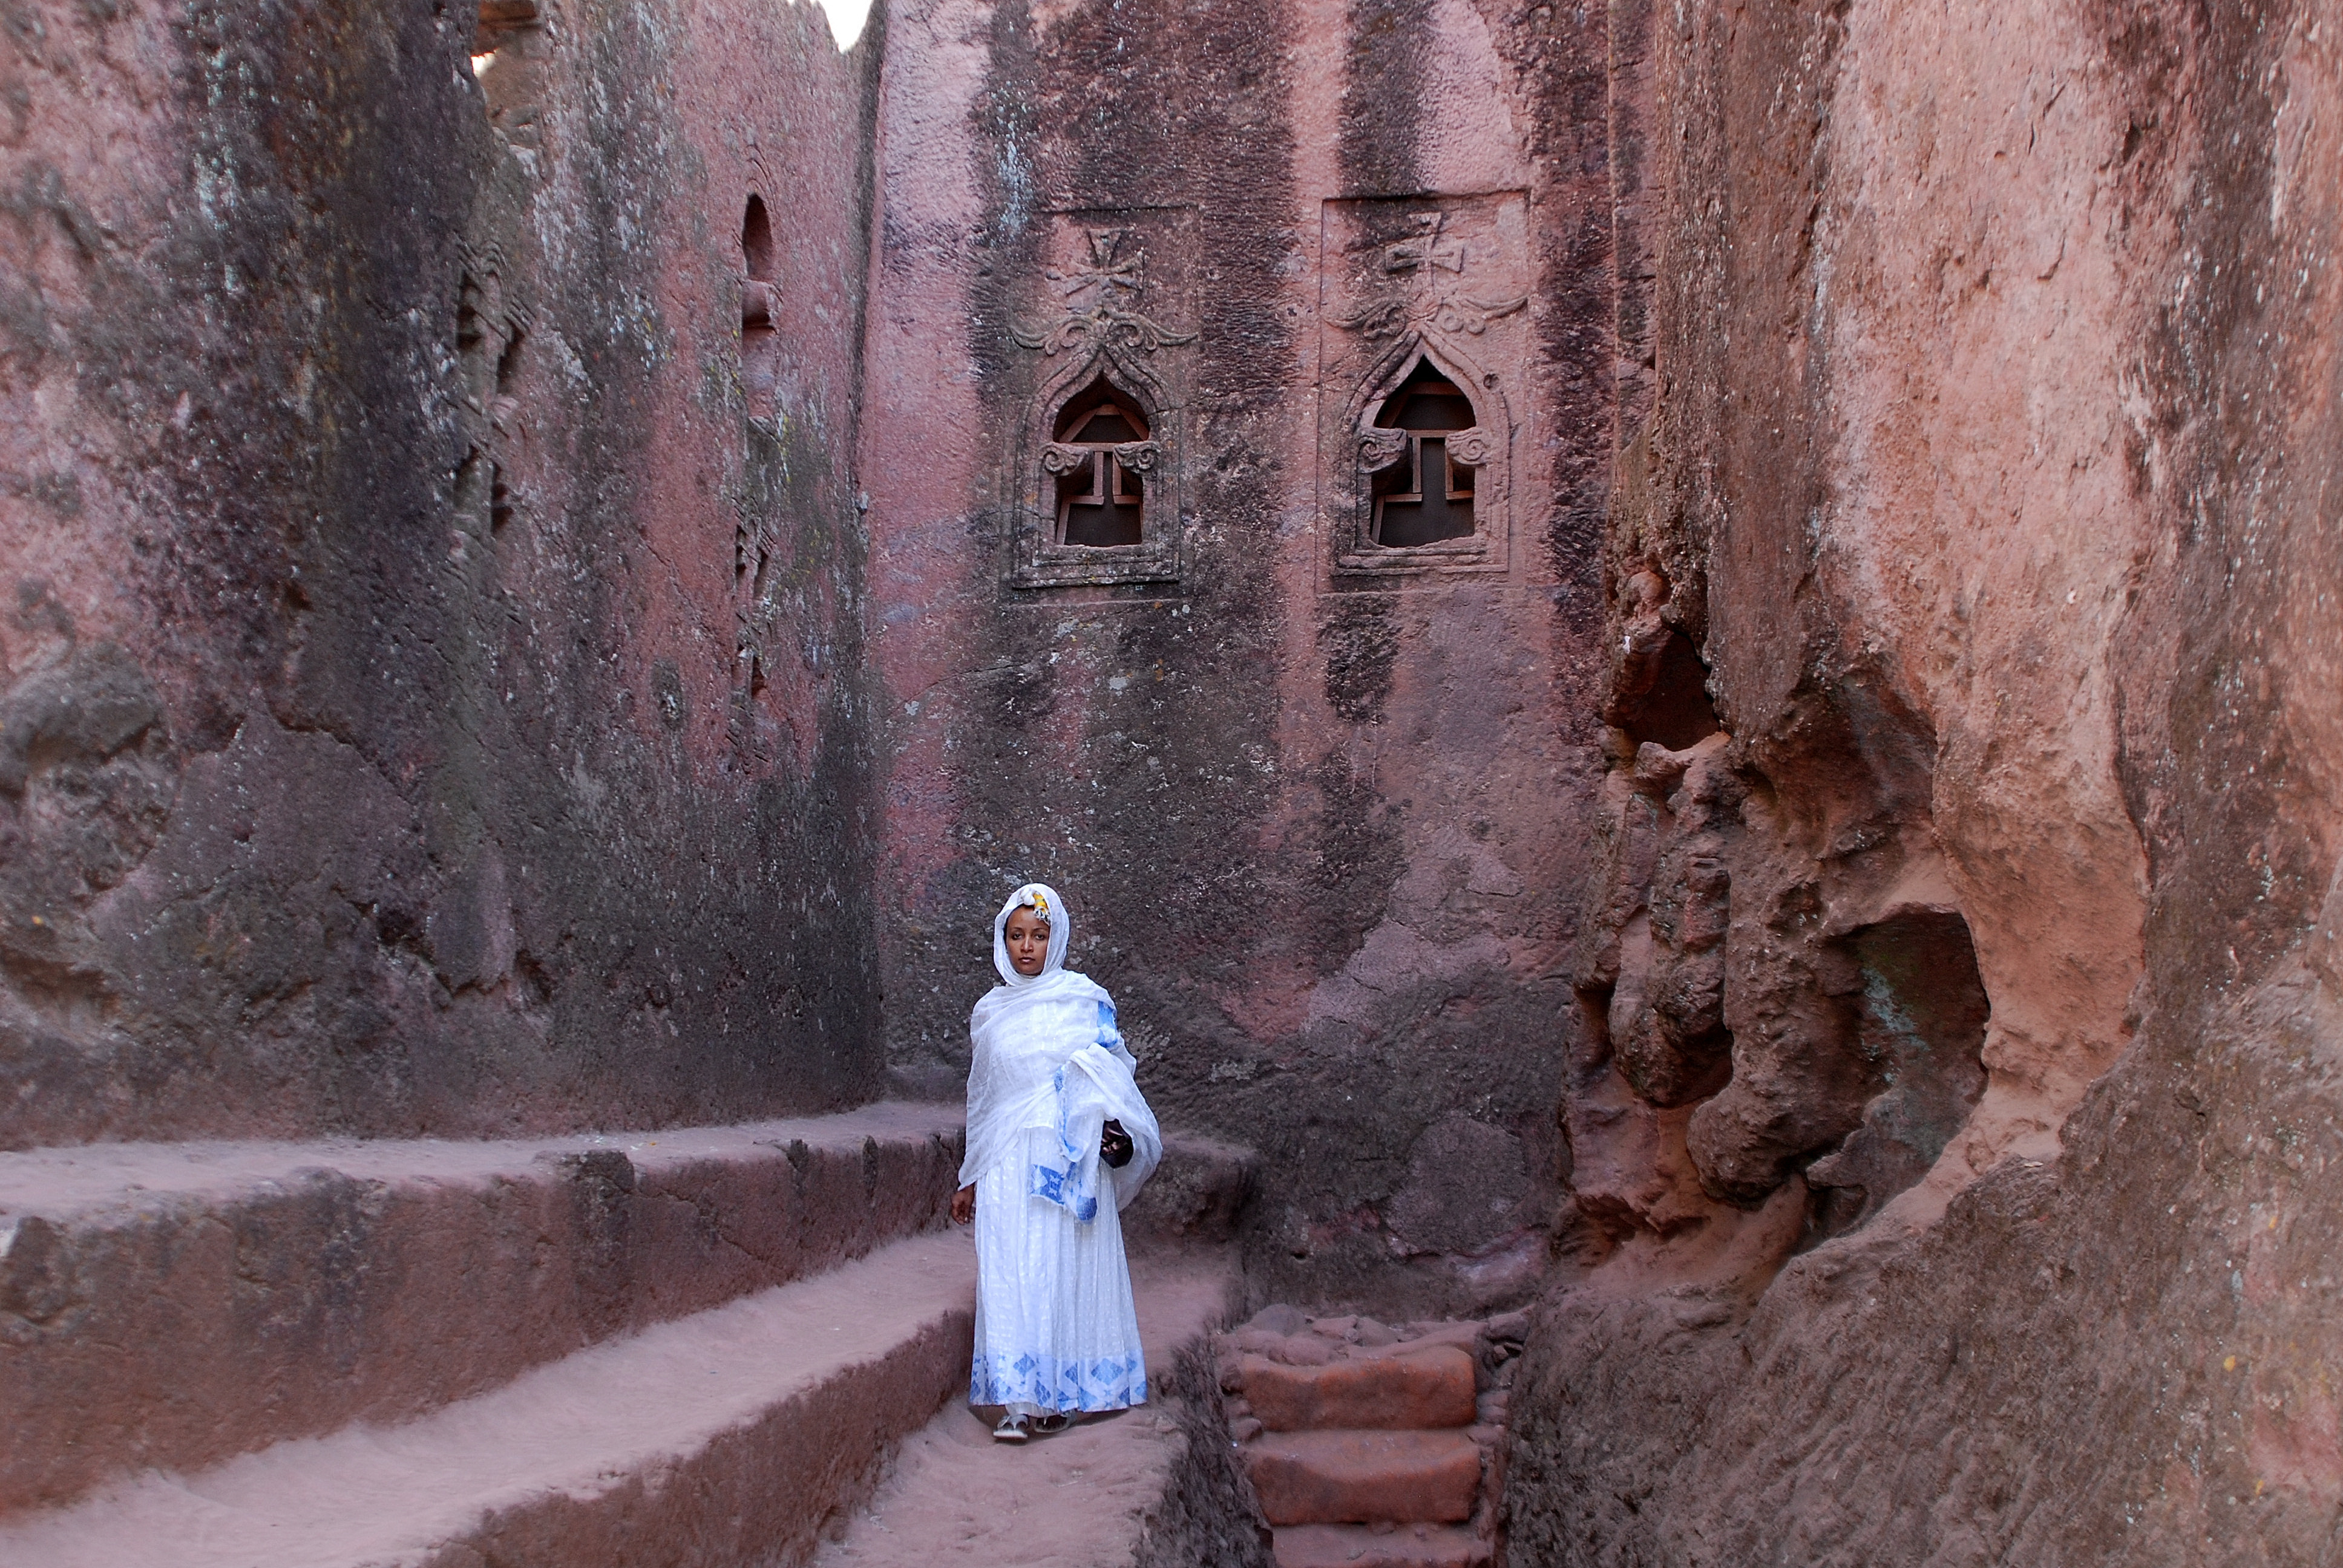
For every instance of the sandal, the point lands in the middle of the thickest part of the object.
(1050, 1424)
(1010, 1430)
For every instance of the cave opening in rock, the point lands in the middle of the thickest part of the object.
(1920, 1012)
(1676, 711)
(756, 239)
(505, 49)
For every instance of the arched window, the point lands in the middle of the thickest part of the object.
(761, 342)
(1098, 456)
(756, 240)
(1424, 488)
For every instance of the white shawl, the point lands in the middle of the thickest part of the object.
(1046, 1070)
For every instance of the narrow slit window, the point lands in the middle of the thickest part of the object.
(1426, 496)
(1099, 459)
(761, 342)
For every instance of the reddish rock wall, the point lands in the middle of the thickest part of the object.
(1871, 758)
(427, 702)
(1321, 814)
(1993, 470)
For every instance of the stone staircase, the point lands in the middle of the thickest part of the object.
(1371, 1446)
(694, 1347)
(1155, 1487)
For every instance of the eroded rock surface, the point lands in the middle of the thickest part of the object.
(429, 688)
(1702, 681)
(1996, 1234)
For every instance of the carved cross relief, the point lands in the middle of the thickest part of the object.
(1100, 480)
(1421, 449)
(1113, 282)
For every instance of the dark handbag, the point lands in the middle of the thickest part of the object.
(1115, 1146)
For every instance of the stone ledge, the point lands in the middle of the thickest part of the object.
(1365, 1477)
(1430, 1387)
(169, 1305)
(728, 1438)
(1196, 1196)
(1361, 1546)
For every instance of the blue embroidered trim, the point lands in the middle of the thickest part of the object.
(1109, 1383)
(1065, 1183)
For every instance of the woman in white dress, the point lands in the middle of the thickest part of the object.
(1059, 1140)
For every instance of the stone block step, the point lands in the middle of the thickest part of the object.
(1432, 1387)
(170, 1305)
(1365, 1477)
(726, 1438)
(1153, 1487)
(1358, 1547)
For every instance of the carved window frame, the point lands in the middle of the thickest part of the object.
(1039, 560)
(1485, 447)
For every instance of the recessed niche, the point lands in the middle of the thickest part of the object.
(1675, 710)
(508, 361)
(761, 342)
(1429, 470)
(1919, 1017)
(1102, 499)
(756, 239)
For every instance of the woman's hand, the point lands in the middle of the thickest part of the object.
(1115, 1146)
(963, 1209)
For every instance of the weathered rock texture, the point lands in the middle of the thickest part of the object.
(429, 701)
(533, 594)
(1985, 959)
(1322, 819)
(170, 1305)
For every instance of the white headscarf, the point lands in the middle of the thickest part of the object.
(1046, 1057)
(1043, 900)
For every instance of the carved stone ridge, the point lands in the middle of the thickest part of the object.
(1380, 447)
(1451, 313)
(1473, 448)
(1063, 457)
(1103, 324)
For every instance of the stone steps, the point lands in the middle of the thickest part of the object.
(695, 1348)
(171, 1305)
(1153, 1487)
(1369, 1445)
(1427, 1387)
(1365, 1477)
(728, 1437)
(1362, 1546)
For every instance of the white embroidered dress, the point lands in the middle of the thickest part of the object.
(1055, 1330)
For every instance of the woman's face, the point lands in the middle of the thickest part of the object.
(1028, 935)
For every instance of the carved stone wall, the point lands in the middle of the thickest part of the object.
(431, 696)
(1442, 282)
(2002, 1229)
(1105, 270)
(1317, 818)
